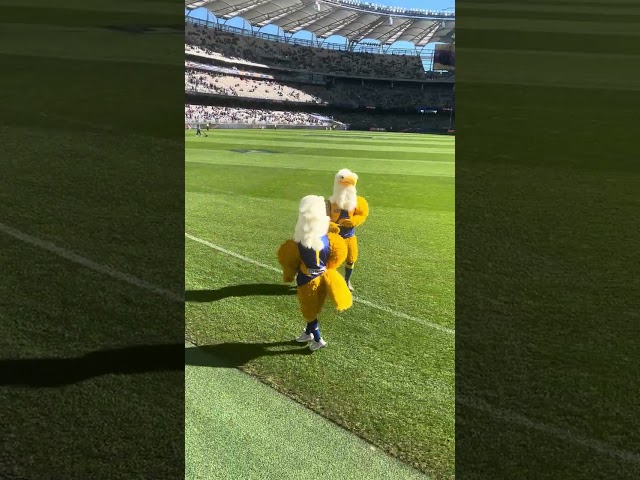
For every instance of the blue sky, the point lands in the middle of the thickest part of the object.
(419, 4)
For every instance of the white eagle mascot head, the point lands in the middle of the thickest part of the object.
(313, 222)
(344, 190)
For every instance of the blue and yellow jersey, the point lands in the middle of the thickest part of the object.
(313, 263)
(336, 214)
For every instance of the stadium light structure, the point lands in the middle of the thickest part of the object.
(365, 7)
(195, 5)
(398, 11)
(353, 19)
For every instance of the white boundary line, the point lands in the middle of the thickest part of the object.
(382, 308)
(504, 415)
(561, 433)
(90, 264)
(478, 404)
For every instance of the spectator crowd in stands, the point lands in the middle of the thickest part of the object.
(346, 94)
(224, 115)
(237, 86)
(247, 49)
(202, 115)
(228, 64)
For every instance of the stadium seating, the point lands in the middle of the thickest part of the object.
(392, 122)
(231, 46)
(344, 85)
(257, 117)
(245, 87)
(246, 116)
(342, 93)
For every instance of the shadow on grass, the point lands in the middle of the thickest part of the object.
(248, 290)
(57, 372)
(227, 355)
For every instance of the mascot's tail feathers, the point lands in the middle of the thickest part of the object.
(338, 290)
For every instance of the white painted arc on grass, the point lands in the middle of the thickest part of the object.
(90, 264)
(375, 306)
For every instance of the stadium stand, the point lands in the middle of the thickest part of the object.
(242, 78)
(245, 87)
(263, 52)
(342, 93)
(248, 116)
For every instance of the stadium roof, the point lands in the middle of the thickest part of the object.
(357, 21)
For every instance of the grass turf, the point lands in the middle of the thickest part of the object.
(547, 238)
(278, 438)
(388, 379)
(82, 166)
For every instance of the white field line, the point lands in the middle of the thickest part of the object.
(504, 415)
(375, 306)
(90, 264)
(558, 432)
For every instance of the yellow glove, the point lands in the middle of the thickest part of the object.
(334, 228)
(347, 223)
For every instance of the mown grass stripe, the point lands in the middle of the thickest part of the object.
(306, 146)
(322, 143)
(260, 164)
(369, 159)
(328, 151)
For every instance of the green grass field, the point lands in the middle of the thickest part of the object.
(387, 373)
(250, 431)
(546, 239)
(82, 167)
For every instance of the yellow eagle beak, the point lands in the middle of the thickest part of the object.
(348, 181)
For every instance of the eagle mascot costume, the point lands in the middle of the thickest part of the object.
(347, 211)
(312, 259)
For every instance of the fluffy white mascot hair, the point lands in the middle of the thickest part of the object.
(344, 190)
(313, 222)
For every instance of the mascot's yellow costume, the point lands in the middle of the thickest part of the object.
(312, 259)
(347, 211)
